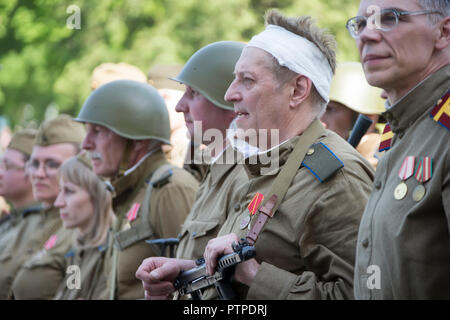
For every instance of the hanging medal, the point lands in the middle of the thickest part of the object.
(423, 174)
(406, 171)
(252, 208)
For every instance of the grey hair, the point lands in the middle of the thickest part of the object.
(442, 6)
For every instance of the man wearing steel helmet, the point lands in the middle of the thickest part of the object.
(127, 122)
(306, 248)
(350, 95)
(206, 78)
(404, 236)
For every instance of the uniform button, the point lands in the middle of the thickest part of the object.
(378, 185)
(237, 207)
(365, 243)
(310, 151)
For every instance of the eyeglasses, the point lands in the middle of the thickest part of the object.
(8, 166)
(50, 167)
(384, 20)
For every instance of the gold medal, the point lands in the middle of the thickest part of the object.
(419, 193)
(245, 221)
(400, 191)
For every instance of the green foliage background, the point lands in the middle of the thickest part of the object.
(46, 66)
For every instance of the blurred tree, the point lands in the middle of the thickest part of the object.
(46, 66)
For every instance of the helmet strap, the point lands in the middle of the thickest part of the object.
(125, 161)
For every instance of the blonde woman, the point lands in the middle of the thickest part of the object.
(85, 206)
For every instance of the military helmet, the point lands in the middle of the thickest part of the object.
(210, 71)
(350, 88)
(131, 109)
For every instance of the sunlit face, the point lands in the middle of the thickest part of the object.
(43, 169)
(399, 58)
(105, 148)
(338, 118)
(196, 107)
(258, 100)
(14, 181)
(75, 206)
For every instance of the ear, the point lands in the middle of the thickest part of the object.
(443, 40)
(301, 91)
(139, 145)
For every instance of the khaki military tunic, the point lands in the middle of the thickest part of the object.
(42, 274)
(169, 205)
(216, 198)
(89, 262)
(33, 230)
(194, 162)
(307, 249)
(403, 247)
(9, 224)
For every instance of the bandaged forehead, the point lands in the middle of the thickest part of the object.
(297, 54)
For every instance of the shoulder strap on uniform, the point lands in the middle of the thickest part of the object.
(321, 161)
(283, 181)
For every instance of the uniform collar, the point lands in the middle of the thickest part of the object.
(269, 163)
(224, 164)
(139, 174)
(421, 99)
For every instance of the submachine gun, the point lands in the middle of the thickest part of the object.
(196, 279)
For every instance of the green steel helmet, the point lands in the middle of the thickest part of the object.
(210, 71)
(350, 88)
(131, 109)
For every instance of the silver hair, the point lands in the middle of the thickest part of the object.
(443, 6)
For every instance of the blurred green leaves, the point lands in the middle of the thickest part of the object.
(46, 65)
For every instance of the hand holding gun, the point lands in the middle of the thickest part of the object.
(196, 279)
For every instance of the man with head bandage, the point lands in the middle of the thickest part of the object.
(302, 216)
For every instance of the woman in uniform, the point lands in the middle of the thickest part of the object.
(85, 206)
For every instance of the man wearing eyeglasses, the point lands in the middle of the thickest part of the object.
(56, 140)
(404, 239)
(15, 187)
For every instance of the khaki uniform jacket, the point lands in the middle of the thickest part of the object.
(9, 224)
(90, 264)
(406, 243)
(33, 231)
(307, 249)
(194, 163)
(217, 197)
(42, 274)
(169, 205)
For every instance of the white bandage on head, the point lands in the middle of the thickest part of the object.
(297, 54)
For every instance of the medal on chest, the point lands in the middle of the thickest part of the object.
(406, 171)
(252, 208)
(423, 174)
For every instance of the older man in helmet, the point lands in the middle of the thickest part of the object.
(127, 122)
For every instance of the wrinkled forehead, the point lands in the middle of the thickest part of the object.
(368, 7)
(253, 60)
